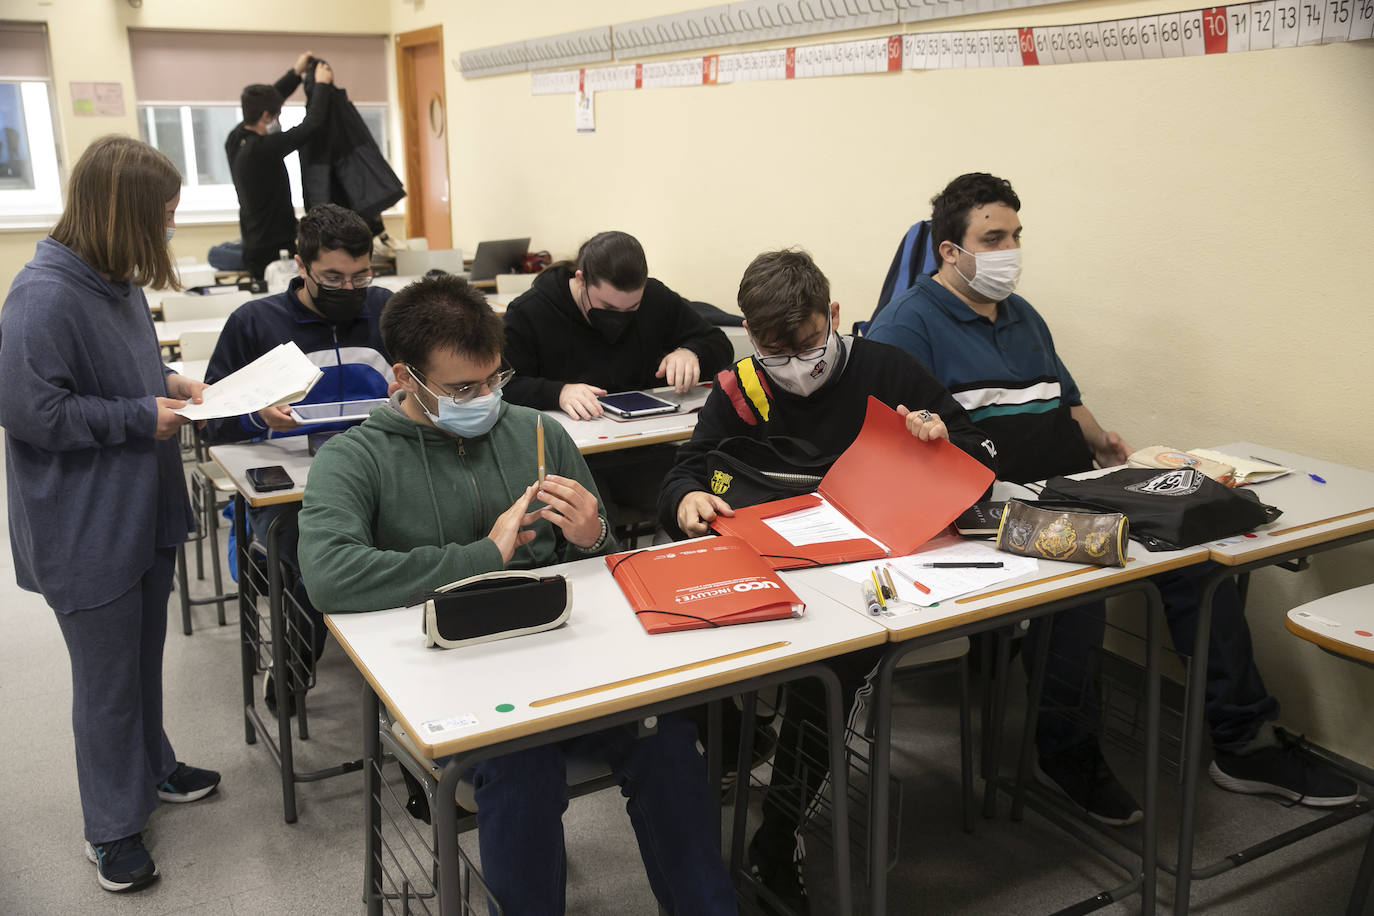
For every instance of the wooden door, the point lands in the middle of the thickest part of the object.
(424, 129)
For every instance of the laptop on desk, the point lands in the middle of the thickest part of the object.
(499, 257)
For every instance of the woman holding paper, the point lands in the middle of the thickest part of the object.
(97, 498)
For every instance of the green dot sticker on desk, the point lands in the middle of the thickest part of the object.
(505, 707)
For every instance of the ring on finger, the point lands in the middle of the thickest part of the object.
(924, 415)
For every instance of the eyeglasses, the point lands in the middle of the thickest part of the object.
(809, 355)
(338, 281)
(469, 390)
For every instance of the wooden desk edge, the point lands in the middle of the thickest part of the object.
(1354, 653)
(1263, 549)
(603, 708)
(634, 441)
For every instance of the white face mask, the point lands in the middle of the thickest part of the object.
(169, 231)
(994, 272)
(802, 376)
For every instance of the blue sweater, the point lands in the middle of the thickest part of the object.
(92, 493)
(350, 355)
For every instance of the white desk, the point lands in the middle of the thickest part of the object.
(1054, 586)
(291, 452)
(607, 434)
(1316, 517)
(599, 669)
(191, 368)
(169, 332)
(498, 301)
(1342, 623)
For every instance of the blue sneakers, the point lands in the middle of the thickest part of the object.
(187, 784)
(122, 865)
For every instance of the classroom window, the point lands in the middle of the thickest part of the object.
(30, 186)
(193, 136)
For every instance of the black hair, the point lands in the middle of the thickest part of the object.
(613, 257)
(439, 313)
(950, 208)
(329, 227)
(779, 292)
(257, 99)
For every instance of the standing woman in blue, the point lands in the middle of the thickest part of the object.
(97, 498)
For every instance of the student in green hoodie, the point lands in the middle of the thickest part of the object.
(441, 484)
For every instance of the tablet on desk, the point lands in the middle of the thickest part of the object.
(334, 411)
(630, 405)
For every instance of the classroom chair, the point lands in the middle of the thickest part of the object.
(1341, 624)
(513, 284)
(412, 263)
(197, 345)
(211, 491)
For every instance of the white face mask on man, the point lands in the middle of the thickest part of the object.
(994, 272)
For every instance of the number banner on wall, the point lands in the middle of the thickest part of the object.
(1257, 26)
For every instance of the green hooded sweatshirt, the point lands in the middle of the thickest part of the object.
(393, 507)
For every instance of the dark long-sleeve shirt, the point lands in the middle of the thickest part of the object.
(550, 344)
(267, 220)
(828, 419)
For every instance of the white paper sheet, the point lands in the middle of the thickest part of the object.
(821, 524)
(943, 583)
(279, 376)
(1248, 470)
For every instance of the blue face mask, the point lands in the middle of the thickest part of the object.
(473, 418)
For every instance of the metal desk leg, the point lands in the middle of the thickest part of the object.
(372, 787)
(878, 795)
(1037, 686)
(1193, 720)
(839, 787)
(992, 739)
(1154, 624)
(279, 663)
(248, 617)
(446, 831)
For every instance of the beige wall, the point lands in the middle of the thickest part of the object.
(1197, 230)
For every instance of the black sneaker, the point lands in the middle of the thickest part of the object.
(269, 696)
(1083, 775)
(187, 784)
(122, 865)
(1285, 769)
(782, 877)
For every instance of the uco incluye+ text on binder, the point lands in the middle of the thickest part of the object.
(711, 582)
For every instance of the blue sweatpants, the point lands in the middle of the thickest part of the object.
(121, 751)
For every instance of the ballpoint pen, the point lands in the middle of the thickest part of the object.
(925, 590)
(992, 565)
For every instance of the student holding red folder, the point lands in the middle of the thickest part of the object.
(805, 381)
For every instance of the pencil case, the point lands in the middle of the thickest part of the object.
(495, 605)
(1065, 531)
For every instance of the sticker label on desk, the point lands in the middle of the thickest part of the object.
(436, 727)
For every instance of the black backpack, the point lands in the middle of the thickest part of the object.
(1169, 510)
(745, 471)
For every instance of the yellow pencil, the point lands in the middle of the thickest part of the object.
(539, 443)
(882, 602)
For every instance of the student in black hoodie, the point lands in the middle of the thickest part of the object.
(257, 149)
(601, 324)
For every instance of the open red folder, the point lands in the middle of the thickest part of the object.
(707, 583)
(899, 490)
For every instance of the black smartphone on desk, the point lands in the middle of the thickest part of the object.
(269, 478)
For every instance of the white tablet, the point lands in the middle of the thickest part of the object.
(334, 411)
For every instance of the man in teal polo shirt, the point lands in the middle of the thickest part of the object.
(996, 356)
